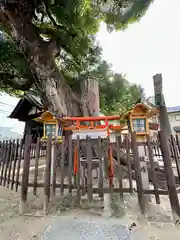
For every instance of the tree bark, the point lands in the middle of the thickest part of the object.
(90, 94)
(59, 98)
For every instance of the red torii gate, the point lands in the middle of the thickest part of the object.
(77, 125)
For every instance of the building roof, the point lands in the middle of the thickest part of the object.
(148, 110)
(24, 105)
(176, 129)
(173, 109)
(151, 101)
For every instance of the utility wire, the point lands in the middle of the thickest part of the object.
(5, 104)
(4, 111)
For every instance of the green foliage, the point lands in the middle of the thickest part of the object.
(11, 91)
(72, 24)
(13, 63)
(11, 60)
(117, 95)
(121, 13)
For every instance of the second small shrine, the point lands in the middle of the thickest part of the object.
(139, 120)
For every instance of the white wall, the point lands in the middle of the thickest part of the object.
(174, 119)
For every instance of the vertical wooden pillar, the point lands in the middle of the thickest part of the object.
(70, 161)
(128, 163)
(164, 144)
(119, 167)
(62, 164)
(54, 165)
(174, 146)
(89, 163)
(78, 173)
(151, 160)
(15, 161)
(7, 161)
(25, 175)
(36, 165)
(160, 102)
(47, 175)
(141, 197)
(143, 166)
(100, 184)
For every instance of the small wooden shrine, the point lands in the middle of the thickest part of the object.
(52, 126)
(138, 119)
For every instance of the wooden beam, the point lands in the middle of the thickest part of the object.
(160, 102)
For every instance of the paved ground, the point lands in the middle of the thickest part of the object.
(79, 225)
(157, 226)
(34, 224)
(66, 228)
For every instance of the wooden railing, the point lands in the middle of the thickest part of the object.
(35, 166)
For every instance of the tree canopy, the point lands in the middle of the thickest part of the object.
(64, 31)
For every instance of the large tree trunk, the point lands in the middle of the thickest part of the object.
(56, 93)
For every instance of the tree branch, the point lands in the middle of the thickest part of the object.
(55, 23)
(3, 16)
(56, 41)
(10, 80)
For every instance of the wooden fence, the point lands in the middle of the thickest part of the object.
(174, 147)
(35, 166)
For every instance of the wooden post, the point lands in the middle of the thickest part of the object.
(110, 167)
(154, 178)
(3, 148)
(47, 175)
(129, 163)
(176, 155)
(70, 161)
(10, 162)
(160, 102)
(119, 168)
(101, 190)
(143, 166)
(89, 165)
(53, 165)
(7, 161)
(36, 165)
(19, 164)
(15, 161)
(169, 175)
(62, 164)
(78, 173)
(141, 197)
(145, 180)
(4, 160)
(25, 175)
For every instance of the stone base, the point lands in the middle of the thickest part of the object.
(22, 207)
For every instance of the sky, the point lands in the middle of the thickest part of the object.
(7, 104)
(147, 47)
